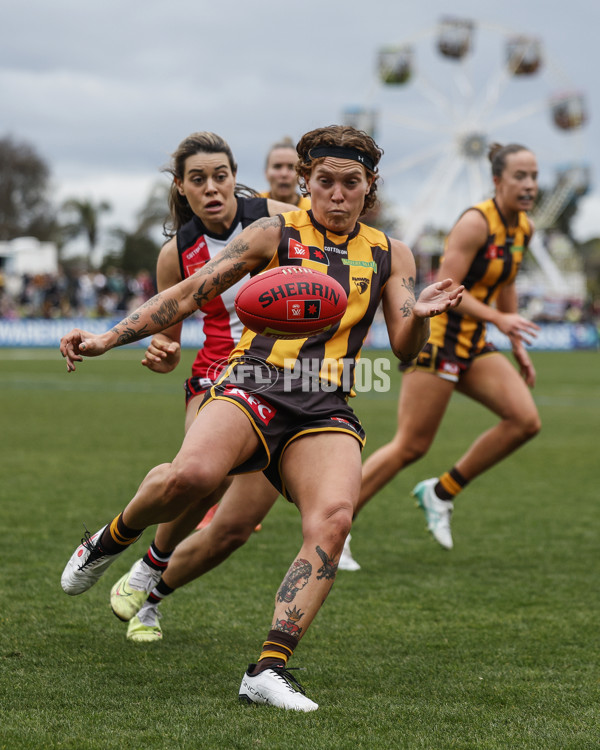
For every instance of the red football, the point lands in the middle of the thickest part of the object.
(290, 302)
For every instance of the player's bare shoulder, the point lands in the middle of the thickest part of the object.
(403, 260)
(277, 207)
(168, 271)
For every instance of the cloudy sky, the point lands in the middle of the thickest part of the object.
(106, 91)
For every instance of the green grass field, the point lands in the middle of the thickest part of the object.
(492, 645)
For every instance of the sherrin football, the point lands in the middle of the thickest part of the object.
(290, 302)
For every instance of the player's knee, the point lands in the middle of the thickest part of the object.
(411, 450)
(231, 537)
(331, 526)
(188, 483)
(530, 425)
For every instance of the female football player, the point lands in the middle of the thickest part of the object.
(483, 252)
(208, 209)
(306, 440)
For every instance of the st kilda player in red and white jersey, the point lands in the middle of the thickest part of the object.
(222, 328)
(207, 210)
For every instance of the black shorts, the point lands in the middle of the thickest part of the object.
(444, 362)
(280, 411)
(196, 386)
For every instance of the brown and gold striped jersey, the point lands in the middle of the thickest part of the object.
(495, 265)
(361, 262)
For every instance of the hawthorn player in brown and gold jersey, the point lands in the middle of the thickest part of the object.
(305, 436)
(483, 252)
(456, 333)
(360, 261)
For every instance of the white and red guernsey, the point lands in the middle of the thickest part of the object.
(196, 246)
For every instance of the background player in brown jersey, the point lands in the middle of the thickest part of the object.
(483, 252)
(312, 440)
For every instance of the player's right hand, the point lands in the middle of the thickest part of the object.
(162, 355)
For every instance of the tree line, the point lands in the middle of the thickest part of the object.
(26, 210)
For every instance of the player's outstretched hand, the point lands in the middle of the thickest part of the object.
(77, 344)
(437, 298)
(162, 355)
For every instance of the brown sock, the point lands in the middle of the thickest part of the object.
(276, 651)
(117, 536)
(450, 484)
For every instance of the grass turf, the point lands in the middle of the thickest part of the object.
(492, 645)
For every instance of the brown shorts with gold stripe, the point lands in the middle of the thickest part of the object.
(281, 411)
(443, 362)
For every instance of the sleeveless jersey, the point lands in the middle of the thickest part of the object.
(361, 262)
(303, 200)
(196, 245)
(495, 265)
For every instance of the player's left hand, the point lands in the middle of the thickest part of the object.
(437, 298)
(77, 343)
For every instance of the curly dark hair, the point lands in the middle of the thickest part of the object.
(338, 135)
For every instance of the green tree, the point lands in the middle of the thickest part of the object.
(138, 250)
(83, 218)
(25, 210)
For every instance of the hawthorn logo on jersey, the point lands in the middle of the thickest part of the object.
(362, 283)
(306, 252)
(303, 310)
(263, 410)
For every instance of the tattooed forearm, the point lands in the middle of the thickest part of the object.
(166, 313)
(407, 307)
(223, 281)
(129, 335)
(212, 284)
(201, 295)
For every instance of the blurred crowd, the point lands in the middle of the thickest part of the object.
(61, 295)
(114, 294)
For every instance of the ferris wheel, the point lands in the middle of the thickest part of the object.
(441, 97)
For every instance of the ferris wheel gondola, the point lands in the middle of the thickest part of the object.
(440, 98)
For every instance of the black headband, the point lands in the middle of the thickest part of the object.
(342, 152)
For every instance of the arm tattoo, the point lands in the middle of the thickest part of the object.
(329, 568)
(166, 313)
(407, 307)
(267, 222)
(129, 335)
